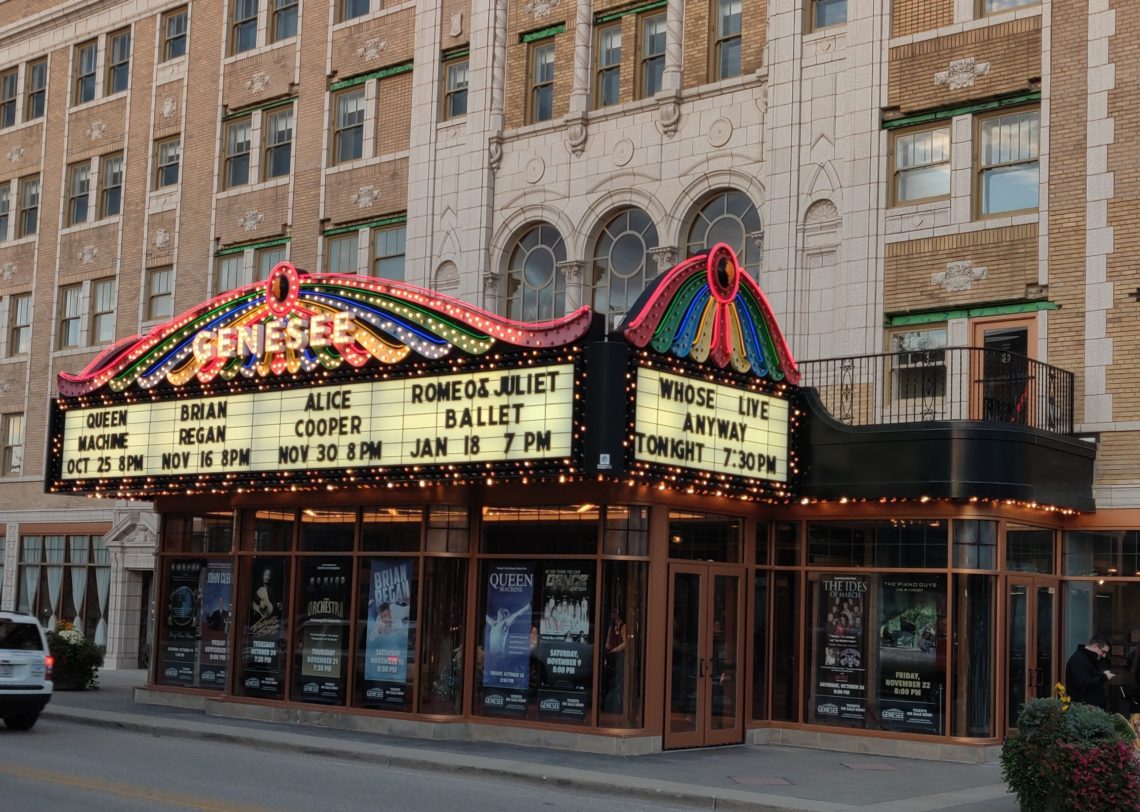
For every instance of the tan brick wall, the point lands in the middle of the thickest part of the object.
(517, 80)
(1008, 254)
(1116, 456)
(396, 31)
(915, 16)
(164, 126)
(390, 178)
(22, 138)
(697, 67)
(110, 114)
(103, 237)
(1066, 213)
(394, 114)
(23, 256)
(155, 256)
(246, 82)
(450, 9)
(273, 204)
(1013, 51)
(1124, 162)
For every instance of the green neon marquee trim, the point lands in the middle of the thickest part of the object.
(545, 33)
(252, 246)
(950, 112)
(970, 313)
(395, 219)
(391, 70)
(617, 15)
(245, 111)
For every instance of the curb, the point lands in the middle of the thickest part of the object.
(719, 800)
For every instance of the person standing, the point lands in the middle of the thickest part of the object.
(1085, 680)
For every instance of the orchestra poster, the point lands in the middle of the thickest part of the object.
(324, 624)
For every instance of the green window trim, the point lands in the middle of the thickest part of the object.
(949, 112)
(252, 246)
(245, 111)
(970, 313)
(455, 53)
(392, 220)
(383, 73)
(610, 16)
(543, 33)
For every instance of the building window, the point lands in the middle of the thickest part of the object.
(159, 293)
(169, 156)
(230, 271)
(5, 209)
(826, 13)
(918, 364)
(455, 88)
(111, 180)
(267, 258)
(29, 221)
(284, 19)
(236, 165)
(535, 288)
(13, 444)
(653, 39)
(388, 252)
(86, 56)
(243, 33)
(729, 217)
(622, 264)
(921, 165)
(609, 65)
(70, 317)
(351, 9)
(726, 46)
(9, 91)
(348, 132)
(174, 34)
(998, 6)
(35, 86)
(118, 61)
(20, 324)
(78, 190)
(278, 142)
(542, 81)
(1008, 157)
(341, 253)
(103, 302)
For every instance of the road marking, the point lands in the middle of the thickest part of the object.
(126, 790)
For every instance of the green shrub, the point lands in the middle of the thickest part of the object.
(77, 659)
(1071, 757)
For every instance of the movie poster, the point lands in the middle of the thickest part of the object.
(180, 639)
(506, 638)
(217, 608)
(565, 648)
(840, 665)
(263, 654)
(388, 632)
(911, 654)
(324, 623)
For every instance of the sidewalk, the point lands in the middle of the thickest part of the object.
(746, 777)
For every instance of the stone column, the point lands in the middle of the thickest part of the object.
(498, 81)
(665, 256)
(573, 271)
(576, 133)
(669, 97)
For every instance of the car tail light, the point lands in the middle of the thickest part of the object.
(49, 664)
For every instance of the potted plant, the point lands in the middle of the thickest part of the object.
(1070, 756)
(77, 659)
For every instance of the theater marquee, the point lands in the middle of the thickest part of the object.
(692, 423)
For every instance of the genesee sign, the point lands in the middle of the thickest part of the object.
(504, 415)
(691, 423)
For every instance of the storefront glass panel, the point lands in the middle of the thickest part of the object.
(448, 529)
(627, 530)
(704, 537)
(391, 529)
(569, 530)
(785, 645)
(760, 645)
(975, 544)
(1029, 549)
(1103, 552)
(975, 621)
(1112, 609)
(327, 530)
(264, 629)
(273, 531)
(386, 633)
(444, 625)
(892, 680)
(787, 544)
(919, 543)
(320, 643)
(207, 533)
(622, 689)
(685, 664)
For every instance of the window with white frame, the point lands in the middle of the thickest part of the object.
(278, 138)
(826, 13)
(622, 263)
(168, 158)
(110, 185)
(159, 293)
(998, 6)
(229, 272)
(921, 164)
(35, 89)
(1008, 162)
(653, 39)
(9, 94)
(918, 363)
(243, 26)
(351, 9)
(609, 65)
(341, 253)
(267, 258)
(78, 192)
(238, 140)
(174, 30)
(348, 125)
(5, 209)
(240, 266)
(535, 289)
(70, 317)
(118, 61)
(19, 324)
(29, 216)
(455, 87)
(66, 578)
(388, 252)
(284, 19)
(85, 61)
(727, 39)
(103, 304)
(542, 81)
(13, 451)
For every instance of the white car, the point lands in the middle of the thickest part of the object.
(25, 670)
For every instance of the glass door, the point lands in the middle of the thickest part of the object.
(703, 682)
(1031, 646)
(1003, 385)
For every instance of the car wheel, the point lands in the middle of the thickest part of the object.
(22, 721)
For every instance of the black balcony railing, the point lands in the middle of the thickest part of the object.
(950, 383)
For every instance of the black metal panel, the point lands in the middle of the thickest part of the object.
(607, 407)
(943, 460)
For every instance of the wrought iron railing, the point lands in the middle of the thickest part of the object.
(950, 383)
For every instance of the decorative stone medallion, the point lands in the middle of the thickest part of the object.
(959, 275)
(258, 82)
(961, 73)
(15, 154)
(364, 197)
(540, 8)
(719, 132)
(169, 107)
(251, 220)
(161, 238)
(535, 169)
(8, 270)
(371, 49)
(88, 254)
(622, 152)
(95, 130)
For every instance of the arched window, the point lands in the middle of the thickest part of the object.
(622, 264)
(727, 217)
(535, 288)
